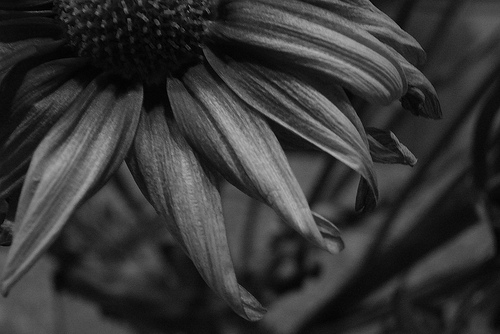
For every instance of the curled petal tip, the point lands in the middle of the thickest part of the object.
(255, 312)
(334, 245)
(7, 283)
(252, 309)
(386, 148)
(332, 241)
(366, 199)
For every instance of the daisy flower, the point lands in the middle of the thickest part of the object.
(187, 91)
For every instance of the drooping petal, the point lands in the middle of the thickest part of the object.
(82, 149)
(241, 145)
(421, 98)
(41, 99)
(300, 108)
(301, 36)
(386, 148)
(377, 23)
(183, 192)
(327, 227)
(339, 98)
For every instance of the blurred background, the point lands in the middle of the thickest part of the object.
(425, 261)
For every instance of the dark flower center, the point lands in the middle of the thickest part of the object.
(149, 39)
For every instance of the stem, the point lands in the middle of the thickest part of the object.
(482, 133)
(418, 242)
(427, 162)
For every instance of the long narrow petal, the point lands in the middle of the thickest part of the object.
(377, 23)
(84, 147)
(301, 109)
(241, 145)
(301, 36)
(182, 191)
(42, 98)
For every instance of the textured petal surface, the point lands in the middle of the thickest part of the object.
(182, 191)
(242, 146)
(377, 23)
(300, 108)
(41, 99)
(386, 148)
(312, 39)
(84, 147)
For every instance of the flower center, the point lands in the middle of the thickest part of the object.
(148, 39)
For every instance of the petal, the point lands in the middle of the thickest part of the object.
(377, 23)
(386, 148)
(301, 36)
(300, 108)
(43, 96)
(22, 4)
(182, 191)
(25, 56)
(327, 227)
(421, 98)
(84, 147)
(365, 200)
(241, 145)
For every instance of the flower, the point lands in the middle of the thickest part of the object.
(185, 91)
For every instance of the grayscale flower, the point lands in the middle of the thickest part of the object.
(184, 91)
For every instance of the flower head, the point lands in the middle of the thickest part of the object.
(184, 91)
